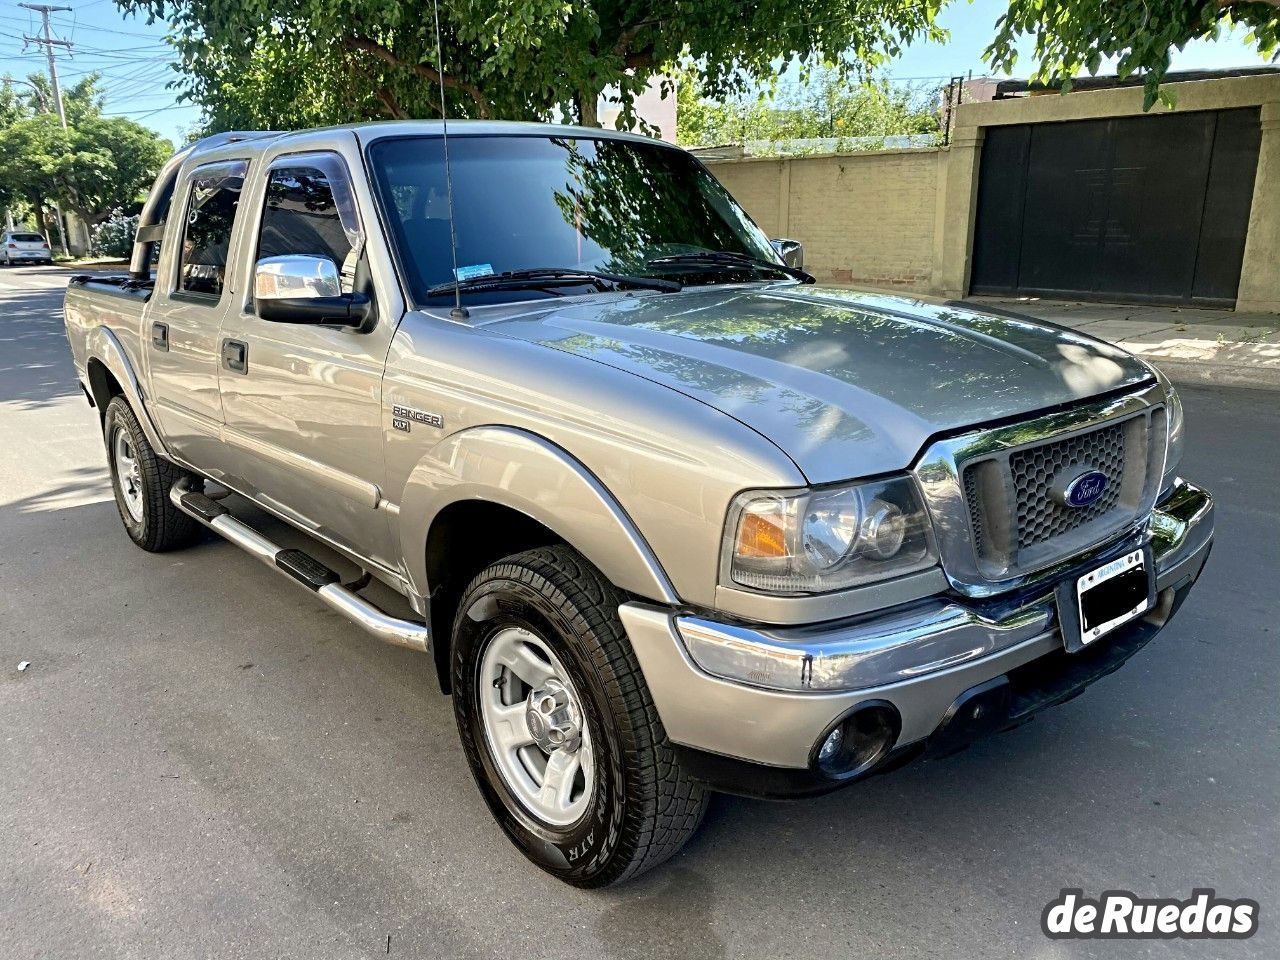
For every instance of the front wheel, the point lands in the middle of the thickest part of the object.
(558, 725)
(141, 482)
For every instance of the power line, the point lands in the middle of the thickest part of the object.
(60, 21)
(48, 42)
(143, 114)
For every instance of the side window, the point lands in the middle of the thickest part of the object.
(310, 209)
(206, 234)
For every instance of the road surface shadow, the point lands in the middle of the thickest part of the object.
(35, 359)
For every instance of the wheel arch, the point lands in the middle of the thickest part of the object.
(103, 385)
(466, 537)
(110, 373)
(488, 492)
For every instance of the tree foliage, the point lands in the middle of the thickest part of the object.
(830, 106)
(1074, 36)
(114, 236)
(96, 165)
(301, 62)
(297, 63)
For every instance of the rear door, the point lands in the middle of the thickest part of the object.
(192, 294)
(303, 406)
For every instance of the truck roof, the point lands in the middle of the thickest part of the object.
(375, 129)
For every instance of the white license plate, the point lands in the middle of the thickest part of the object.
(1112, 595)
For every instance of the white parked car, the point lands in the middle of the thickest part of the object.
(20, 246)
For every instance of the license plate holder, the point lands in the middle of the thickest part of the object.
(1093, 605)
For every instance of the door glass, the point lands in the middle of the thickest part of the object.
(206, 236)
(310, 210)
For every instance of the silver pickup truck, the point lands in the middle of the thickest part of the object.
(670, 518)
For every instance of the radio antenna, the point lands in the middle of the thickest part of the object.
(459, 312)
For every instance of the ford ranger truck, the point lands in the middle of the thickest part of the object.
(669, 517)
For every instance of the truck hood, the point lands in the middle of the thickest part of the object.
(848, 384)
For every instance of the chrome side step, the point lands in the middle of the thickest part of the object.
(302, 568)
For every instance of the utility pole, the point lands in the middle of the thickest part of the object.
(8, 214)
(48, 42)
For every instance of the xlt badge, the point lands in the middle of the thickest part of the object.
(403, 417)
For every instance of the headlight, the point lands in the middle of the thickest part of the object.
(1177, 436)
(815, 541)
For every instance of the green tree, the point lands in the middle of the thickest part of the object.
(29, 147)
(94, 166)
(1074, 36)
(108, 165)
(829, 105)
(300, 62)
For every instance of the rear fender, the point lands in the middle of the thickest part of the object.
(527, 473)
(103, 345)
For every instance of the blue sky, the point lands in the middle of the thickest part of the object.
(133, 57)
(972, 27)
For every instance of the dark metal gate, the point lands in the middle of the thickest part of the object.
(1152, 208)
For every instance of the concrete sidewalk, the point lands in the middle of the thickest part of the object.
(1190, 344)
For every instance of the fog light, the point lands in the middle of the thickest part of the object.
(831, 745)
(858, 741)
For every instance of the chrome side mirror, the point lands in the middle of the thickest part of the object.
(301, 288)
(791, 252)
(296, 276)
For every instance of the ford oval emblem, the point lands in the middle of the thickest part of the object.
(1085, 488)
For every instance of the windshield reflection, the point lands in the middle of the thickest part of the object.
(523, 202)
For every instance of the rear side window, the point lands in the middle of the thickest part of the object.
(206, 235)
(310, 210)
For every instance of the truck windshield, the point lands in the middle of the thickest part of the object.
(522, 202)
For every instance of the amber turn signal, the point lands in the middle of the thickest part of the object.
(760, 537)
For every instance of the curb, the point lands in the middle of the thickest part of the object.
(1256, 376)
(1185, 361)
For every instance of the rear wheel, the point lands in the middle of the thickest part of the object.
(558, 725)
(141, 482)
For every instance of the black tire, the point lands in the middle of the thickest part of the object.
(162, 526)
(644, 807)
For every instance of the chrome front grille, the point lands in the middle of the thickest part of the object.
(1040, 517)
(988, 490)
(1015, 522)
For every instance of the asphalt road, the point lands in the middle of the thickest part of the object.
(202, 761)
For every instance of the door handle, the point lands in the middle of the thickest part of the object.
(235, 356)
(160, 335)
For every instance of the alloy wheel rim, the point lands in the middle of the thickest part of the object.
(128, 475)
(534, 727)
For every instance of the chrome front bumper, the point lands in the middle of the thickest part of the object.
(766, 694)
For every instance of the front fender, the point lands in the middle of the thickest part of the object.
(527, 473)
(104, 346)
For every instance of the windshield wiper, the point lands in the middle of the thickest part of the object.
(541, 278)
(726, 258)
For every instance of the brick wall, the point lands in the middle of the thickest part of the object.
(864, 218)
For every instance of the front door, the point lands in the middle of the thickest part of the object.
(303, 402)
(180, 333)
